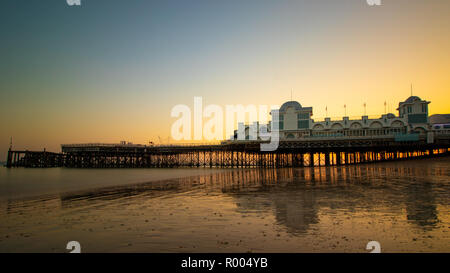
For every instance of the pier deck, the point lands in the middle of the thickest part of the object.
(306, 152)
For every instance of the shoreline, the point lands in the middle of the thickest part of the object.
(173, 181)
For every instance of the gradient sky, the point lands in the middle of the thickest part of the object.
(112, 70)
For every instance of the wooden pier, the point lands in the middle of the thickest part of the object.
(301, 153)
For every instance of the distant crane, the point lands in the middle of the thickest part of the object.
(160, 142)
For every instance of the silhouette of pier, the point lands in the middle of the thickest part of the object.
(299, 153)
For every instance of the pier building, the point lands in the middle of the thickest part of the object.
(296, 123)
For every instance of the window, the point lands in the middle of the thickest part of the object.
(409, 109)
(303, 124)
(417, 118)
(281, 122)
(424, 108)
(303, 116)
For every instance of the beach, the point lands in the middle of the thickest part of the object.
(403, 205)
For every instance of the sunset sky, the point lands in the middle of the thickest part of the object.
(107, 71)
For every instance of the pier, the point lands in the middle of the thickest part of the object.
(304, 142)
(308, 152)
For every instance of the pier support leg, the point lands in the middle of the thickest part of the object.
(327, 159)
(8, 160)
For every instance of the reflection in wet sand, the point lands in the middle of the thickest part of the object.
(403, 205)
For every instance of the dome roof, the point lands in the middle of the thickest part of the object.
(294, 104)
(390, 115)
(412, 99)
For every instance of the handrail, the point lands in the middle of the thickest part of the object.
(138, 145)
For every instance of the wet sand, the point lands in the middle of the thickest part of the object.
(403, 205)
(26, 182)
